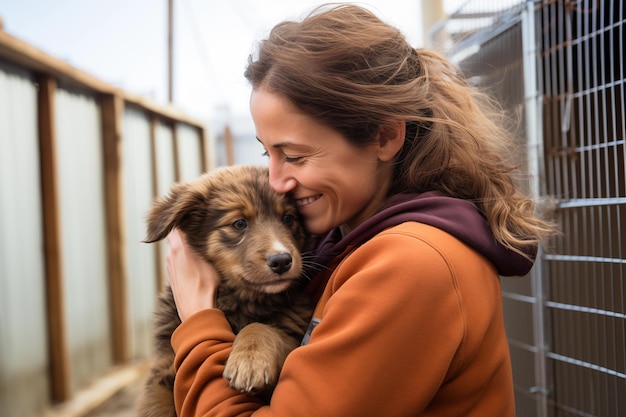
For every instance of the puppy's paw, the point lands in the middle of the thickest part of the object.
(258, 354)
(251, 371)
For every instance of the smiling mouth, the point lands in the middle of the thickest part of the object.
(308, 200)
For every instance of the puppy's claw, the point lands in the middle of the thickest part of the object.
(244, 374)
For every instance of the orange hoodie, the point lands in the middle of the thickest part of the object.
(410, 323)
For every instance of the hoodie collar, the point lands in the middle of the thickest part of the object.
(458, 217)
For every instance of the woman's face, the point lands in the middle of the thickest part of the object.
(333, 181)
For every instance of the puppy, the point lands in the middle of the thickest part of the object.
(253, 237)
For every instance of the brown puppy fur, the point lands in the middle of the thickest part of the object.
(253, 237)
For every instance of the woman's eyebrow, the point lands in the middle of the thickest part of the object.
(277, 145)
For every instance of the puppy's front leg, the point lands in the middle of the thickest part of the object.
(258, 354)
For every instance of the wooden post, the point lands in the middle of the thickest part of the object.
(432, 12)
(204, 150)
(112, 112)
(228, 143)
(154, 125)
(57, 334)
(175, 147)
(158, 246)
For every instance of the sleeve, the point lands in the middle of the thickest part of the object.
(385, 343)
(202, 344)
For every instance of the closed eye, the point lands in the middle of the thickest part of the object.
(292, 159)
(288, 159)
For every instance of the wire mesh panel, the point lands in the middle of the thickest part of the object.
(488, 40)
(582, 57)
(567, 324)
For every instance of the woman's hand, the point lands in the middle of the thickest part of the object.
(194, 281)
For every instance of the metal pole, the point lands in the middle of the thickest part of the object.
(432, 12)
(533, 100)
(170, 54)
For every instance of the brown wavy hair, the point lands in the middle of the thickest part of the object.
(353, 72)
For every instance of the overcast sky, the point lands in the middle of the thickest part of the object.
(124, 42)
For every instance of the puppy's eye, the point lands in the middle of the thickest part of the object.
(288, 219)
(240, 224)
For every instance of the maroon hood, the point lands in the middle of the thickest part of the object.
(458, 217)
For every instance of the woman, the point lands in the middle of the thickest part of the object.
(399, 162)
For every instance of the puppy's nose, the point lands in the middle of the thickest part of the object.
(279, 263)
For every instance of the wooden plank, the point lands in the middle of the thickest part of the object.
(102, 390)
(164, 111)
(27, 56)
(57, 334)
(112, 108)
(17, 51)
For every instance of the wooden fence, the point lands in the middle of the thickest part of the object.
(80, 162)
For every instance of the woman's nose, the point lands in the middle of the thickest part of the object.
(280, 179)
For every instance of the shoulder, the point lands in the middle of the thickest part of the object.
(418, 243)
(435, 260)
(420, 255)
(409, 252)
(421, 233)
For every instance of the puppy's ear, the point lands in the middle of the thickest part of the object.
(167, 213)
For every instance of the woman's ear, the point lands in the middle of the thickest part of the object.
(390, 138)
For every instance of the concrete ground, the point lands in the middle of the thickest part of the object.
(113, 395)
(122, 404)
